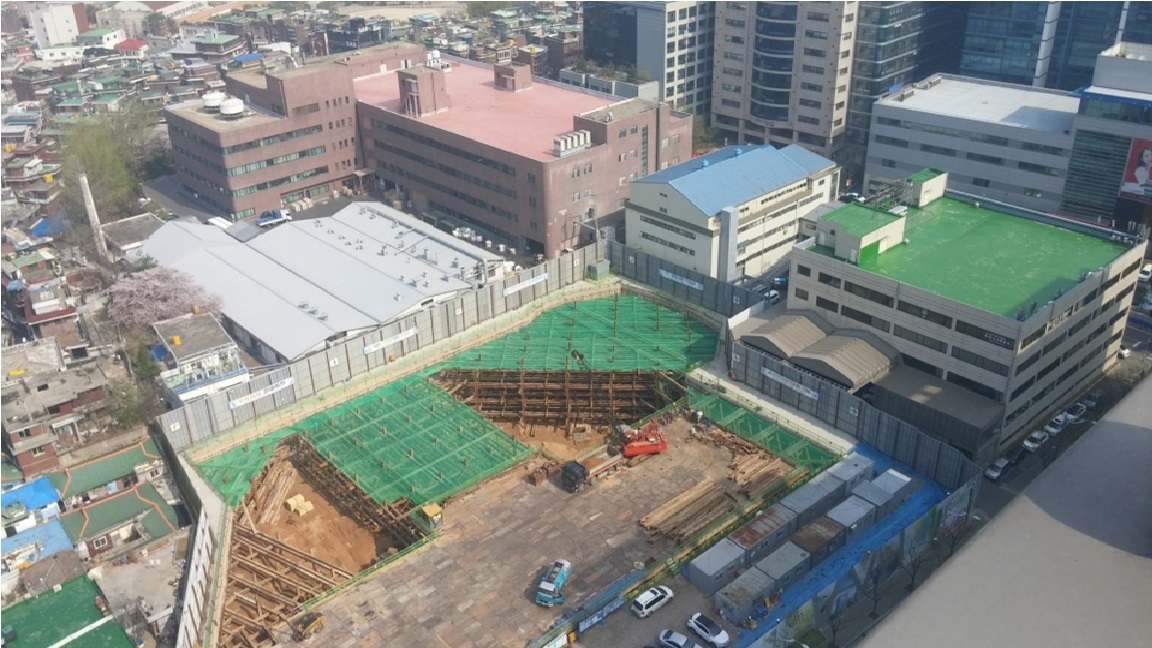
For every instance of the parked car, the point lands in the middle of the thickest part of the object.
(1092, 400)
(673, 639)
(1016, 455)
(1056, 425)
(1145, 274)
(1125, 351)
(851, 197)
(708, 630)
(997, 468)
(651, 600)
(1075, 412)
(1035, 440)
(773, 296)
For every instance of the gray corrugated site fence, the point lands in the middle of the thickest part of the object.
(353, 357)
(684, 284)
(784, 383)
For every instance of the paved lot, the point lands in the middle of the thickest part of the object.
(623, 630)
(474, 586)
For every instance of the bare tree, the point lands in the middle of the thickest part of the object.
(874, 589)
(913, 563)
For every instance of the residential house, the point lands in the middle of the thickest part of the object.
(44, 413)
(201, 358)
(97, 479)
(126, 236)
(30, 505)
(120, 522)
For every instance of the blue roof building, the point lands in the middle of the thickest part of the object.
(35, 544)
(733, 212)
(35, 496)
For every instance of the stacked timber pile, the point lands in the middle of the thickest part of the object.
(690, 511)
(755, 472)
(718, 437)
(270, 489)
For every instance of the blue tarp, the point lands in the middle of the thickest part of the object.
(32, 495)
(50, 226)
(244, 58)
(159, 352)
(51, 538)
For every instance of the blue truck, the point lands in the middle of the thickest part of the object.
(550, 590)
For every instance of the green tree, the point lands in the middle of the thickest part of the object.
(115, 150)
(143, 365)
(482, 9)
(126, 402)
(704, 137)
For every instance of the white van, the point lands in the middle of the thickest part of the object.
(1145, 273)
(222, 223)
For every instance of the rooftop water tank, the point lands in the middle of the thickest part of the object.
(232, 107)
(212, 100)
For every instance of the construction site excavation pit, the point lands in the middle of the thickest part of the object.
(564, 412)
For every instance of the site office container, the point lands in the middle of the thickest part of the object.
(738, 600)
(813, 499)
(901, 486)
(765, 532)
(786, 565)
(716, 567)
(853, 470)
(820, 539)
(878, 497)
(856, 514)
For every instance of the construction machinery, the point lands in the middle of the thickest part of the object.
(575, 475)
(647, 440)
(306, 625)
(549, 591)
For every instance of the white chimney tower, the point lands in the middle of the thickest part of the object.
(93, 218)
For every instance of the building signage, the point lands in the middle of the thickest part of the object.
(261, 393)
(527, 283)
(681, 280)
(399, 337)
(791, 384)
(1137, 181)
(558, 642)
(601, 614)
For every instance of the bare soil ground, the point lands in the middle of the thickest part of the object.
(324, 532)
(557, 444)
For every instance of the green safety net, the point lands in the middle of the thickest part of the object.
(771, 437)
(411, 439)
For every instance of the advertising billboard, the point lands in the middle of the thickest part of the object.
(1136, 183)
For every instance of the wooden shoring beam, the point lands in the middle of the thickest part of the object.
(247, 625)
(272, 543)
(281, 578)
(263, 612)
(286, 563)
(256, 589)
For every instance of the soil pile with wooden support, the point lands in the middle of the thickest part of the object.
(303, 528)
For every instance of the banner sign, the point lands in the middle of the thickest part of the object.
(1136, 183)
(791, 384)
(681, 280)
(399, 337)
(601, 614)
(261, 393)
(527, 283)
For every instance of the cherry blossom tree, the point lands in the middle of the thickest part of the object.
(155, 294)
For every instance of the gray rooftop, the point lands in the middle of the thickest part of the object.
(197, 333)
(972, 99)
(306, 281)
(782, 562)
(851, 511)
(1066, 563)
(35, 393)
(942, 396)
(133, 230)
(39, 356)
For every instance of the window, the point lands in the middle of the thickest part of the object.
(37, 451)
(810, 103)
(827, 305)
(818, 35)
(986, 335)
(731, 22)
(736, 72)
(869, 294)
(980, 182)
(924, 313)
(975, 386)
(813, 87)
(804, 119)
(728, 103)
(738, 40)
(801, 294)
(977, 360)
(804, 270)
(734, 56)
(891, 141)
(828, 280)
(870, 320)
(100, 543)
(939, 150)
(919, 338)
(813, 69)
(1042, 148)
(817, 53)
(891, 164)
(986, 159)
(817, 16)
(1038, 168)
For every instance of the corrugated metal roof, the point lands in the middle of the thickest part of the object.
(32, 495)
(846, 359)
(737, 174)
(817, 535)
(768, 522)
(719, 557)
(851, 511)
(784, 561)
(333, 266)
(788, 334)
(49, 538)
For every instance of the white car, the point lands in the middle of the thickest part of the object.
(673, 639)
(997, 469)
(773, 296)
(651, 600)
(1056, 425)
(1092, 400)
(708, 630)
(1125, 351)
(1075, 412)
(1035, 440)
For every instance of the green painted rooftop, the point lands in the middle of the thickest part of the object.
(860, 220)
(107, 97)
(159, 517)
(985, 258)
(924, 175)
(98, 472)
(52, 616)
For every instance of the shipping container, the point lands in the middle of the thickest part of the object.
(854, 470)
(880, 498)
(900, 485)
(820, 539)
(765, 532)
(785, 566)
(740, 598)
(813, 499)
(716, 567)
(856, 514)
